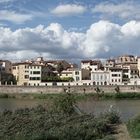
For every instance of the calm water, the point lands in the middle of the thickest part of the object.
(126, 108)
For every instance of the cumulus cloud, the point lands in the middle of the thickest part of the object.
(13, 16)
(102, 39)
(68, 10)
(125, 10)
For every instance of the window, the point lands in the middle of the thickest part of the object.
(105, 77)
(93, 77)
(76, 72)
(26, 66)
(97, 77)
(34, 78)
(77, 78)
(114, 75)
(26, 76)
(14, 68)
(38, 78)
(101, 77)
(36, 72)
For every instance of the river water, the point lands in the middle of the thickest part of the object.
(126, 108)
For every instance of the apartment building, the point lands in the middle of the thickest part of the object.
(5, 66)
(100, 77)
(126, 61)
(77, 75)
(123, 70)
(66, 73)
(91, 65)
(35, 74)
(21, 72)
(115, 76)
(109, 64)
(138, 64)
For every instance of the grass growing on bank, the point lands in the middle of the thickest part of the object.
(60, 122)
(133, 126)
(94, 96)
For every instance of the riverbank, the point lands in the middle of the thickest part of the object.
(39, 123)
(85, 89)
(94, 96)
(133, 126)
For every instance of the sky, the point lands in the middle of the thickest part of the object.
(69, 29)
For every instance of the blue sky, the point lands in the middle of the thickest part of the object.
(41, 12)
(69, 29)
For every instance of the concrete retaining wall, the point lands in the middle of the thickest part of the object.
(62, 89)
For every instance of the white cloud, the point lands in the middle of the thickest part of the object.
(68, 10)
(13, 16)
(125, 10)
(5, 1)
(102, 39)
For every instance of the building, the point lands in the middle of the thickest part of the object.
(100, 77)
(138, 65)
(21, 72)
(66, 74)
(77, 75)
(126, 61)
(35, 74)
(115, 76)
(91, 65)
(5, 66)
(109, 64)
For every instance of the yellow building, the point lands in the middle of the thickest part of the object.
(21, 72)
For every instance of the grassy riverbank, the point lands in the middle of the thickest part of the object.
(61, 121)
(133, 126)
(94, 96)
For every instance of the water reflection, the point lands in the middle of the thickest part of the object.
(126, 108)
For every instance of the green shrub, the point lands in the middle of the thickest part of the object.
(4, 96)
(65, 103)
(41, 124)
(134, 127)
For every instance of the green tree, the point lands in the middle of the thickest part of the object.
(9, 78)
(60, 68)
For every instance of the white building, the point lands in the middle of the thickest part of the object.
(77, 75)
(66, 74)
(35, 74)
(91, 65)
(100, 77)
(109, 64)
(116, 76)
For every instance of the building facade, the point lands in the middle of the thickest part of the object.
(100, 77)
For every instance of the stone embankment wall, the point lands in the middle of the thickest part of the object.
(63, 89)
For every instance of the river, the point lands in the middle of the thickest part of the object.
(126, 108)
